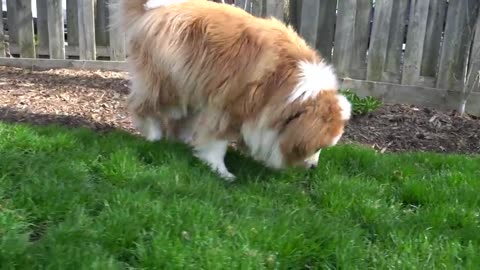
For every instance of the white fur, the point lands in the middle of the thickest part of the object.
(151, 4)
(314, 78)
(336, 139)
(213, 154)
(263, 144)
(346, 107)
(313, 160)
(153, 129)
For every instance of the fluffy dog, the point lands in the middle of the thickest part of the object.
(208, 74)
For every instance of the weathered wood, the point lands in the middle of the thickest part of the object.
(25, 29)
(351, 38)
(377, 53)
(317, 25)
(242, 4)
(393, 62)
(12, 22)
(72, 22)
(2, 34)
(275, 8)
(475, 55)
(440, 99)
(42, 25)
(63, 63)
(415, 41)
(257, 7)
(55, 30)
(117, 39)
(70, 51)
(386, 41)
(309, 23)
(298, 13)
(326, 28)
(101, 15)
(433, 37)
(457, 33)
(86, 28)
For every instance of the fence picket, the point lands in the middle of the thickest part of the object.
(2, 34)
(55, 30)
(72, 23)
(117, 40)
(351, 38)
(457, 31)
(415, 42)
(25, 29)
(86, 29)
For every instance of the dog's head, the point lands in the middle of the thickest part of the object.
(310, 126)
(311, 117)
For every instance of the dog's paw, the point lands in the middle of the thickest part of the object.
(229, 177)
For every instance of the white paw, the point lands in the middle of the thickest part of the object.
(227, 176)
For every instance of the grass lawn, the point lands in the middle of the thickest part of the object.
(75, 199)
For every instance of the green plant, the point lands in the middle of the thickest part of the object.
(361, 106)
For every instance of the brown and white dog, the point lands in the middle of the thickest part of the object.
(209, 74)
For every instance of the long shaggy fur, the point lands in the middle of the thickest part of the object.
(208, 74)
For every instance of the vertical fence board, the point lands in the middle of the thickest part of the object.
(457, 31)
(56, 35)
(275, 8)
(42, 26)
(308, 26)
(433, 37)
(393, 63)
(2, 34)
(101, 13)
(351, 38)
(72, 23)
(241, 4)
(86, 29)
(415, 40)
(377, 53)
(326, 28)
(117, 39)
(12, 17)
(257, 7)
(25, 29)
(386, 41)
(475, 55)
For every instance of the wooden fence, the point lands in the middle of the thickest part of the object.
(406, 51)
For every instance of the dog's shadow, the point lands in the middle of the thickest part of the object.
(244, 167)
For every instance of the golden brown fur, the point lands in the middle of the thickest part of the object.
(207, 72)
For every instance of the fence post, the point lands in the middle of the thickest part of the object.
(25, 29)
(56, 36)
(86, 29)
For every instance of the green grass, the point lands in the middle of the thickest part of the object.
(75, 199)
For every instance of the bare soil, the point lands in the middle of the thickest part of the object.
(96, 99)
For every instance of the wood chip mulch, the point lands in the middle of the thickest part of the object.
(96, 99)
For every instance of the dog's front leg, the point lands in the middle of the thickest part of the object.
(213, 153)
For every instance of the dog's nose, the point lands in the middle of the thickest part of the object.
(313, 166)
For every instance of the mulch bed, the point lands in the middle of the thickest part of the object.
(96, 99)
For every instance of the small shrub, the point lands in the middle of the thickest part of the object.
(361, 106)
